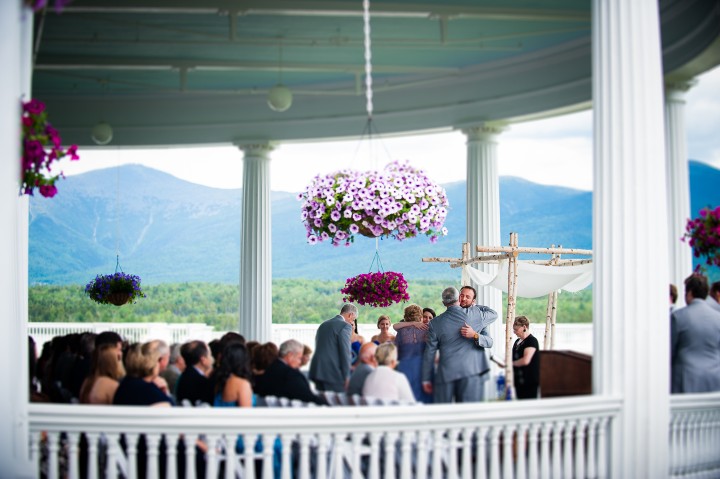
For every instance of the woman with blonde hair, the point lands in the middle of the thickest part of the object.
(105, 374)
(138, 388)
(410, 344)
(526, 360)
(383, 324)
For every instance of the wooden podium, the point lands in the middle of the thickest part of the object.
(565, 373)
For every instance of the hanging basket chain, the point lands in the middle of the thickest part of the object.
(368, 59)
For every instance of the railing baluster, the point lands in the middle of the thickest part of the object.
(569, 427)
(481, 458)
(408, 437)
(92, 456)
(390, 445)
(35, 452)
(580, 428)
(322, 457)
(521, 441)
(495, 452)
(171, 454)
(466, 469)
(268, 455)
(189, 440)
(375, 455)
(421, 463)
(545, 432)
(304, 466)
(452, 440)
(437, 452)
(533, 461)
(152, 443)
(591, 449)
(131, 441)
(73, 455)
(286, 464)
(602, 457)
(557, 451)
(53, 444)
(508, 436)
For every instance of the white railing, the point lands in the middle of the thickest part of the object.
(695, 435)
(577, 337)
(562, 437)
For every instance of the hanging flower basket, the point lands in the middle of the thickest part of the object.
(376, 289)
(400, 202)
(703, 235)
(118, 289)
(37, 134)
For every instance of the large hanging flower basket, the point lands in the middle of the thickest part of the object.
(376, 289)
(37, 135)
(118, 289)
(400, 202)
(703, 235)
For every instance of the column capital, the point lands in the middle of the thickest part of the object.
(255, 148)
(675, 90)
(483, 131)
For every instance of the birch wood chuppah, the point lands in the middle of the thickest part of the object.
(506, 257)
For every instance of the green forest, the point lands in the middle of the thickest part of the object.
(293, 301)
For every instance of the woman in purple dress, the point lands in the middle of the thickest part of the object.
(410, 342)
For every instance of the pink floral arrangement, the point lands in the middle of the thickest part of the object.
(376, 289)
(400, 202)
(703, 234)
(37, 134)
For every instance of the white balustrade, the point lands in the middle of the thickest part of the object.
(695, 435)
(481, 440)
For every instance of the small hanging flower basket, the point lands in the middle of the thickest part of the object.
(400, 202)
(118, 289)
(379, 289)
(37, 134)
(703, 235)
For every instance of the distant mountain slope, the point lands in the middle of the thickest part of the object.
(170, 230)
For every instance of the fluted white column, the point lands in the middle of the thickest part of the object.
(256, 244)
(630, 315)
(678, 182)
(16, 24)
(483, 214)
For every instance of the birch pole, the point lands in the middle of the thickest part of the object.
(548, 315)
(510, 318)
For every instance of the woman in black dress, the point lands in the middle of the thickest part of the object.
(526, 360)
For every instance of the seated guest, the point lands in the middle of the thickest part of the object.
(385, 382)
(366, 364)
(176, 366)
(194, 383)
(233, 388)
(162, 350)
(138, 388)
(283, 378)
(262, 357)
(106, 371)
(383, 324)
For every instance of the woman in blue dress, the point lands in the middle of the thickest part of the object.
(410, 342)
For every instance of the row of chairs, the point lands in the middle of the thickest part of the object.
(333, 399)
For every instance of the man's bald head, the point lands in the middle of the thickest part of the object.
(367, 354)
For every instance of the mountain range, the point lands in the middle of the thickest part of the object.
(168, 230)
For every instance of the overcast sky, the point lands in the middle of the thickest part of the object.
(556, 151)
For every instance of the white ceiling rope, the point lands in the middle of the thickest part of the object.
(368, 58)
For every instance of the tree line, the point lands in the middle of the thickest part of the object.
(294, 301)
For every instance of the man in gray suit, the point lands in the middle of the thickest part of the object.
(713, 298)
(460, 336)
(330, 365)
(695, 341)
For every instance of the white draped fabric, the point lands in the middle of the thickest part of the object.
(535, 280)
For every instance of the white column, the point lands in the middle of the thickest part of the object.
(15, 52)
(255, 245)
(483, 214)
(630, 305)
(678, 182)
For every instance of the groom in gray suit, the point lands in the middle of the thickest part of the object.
(695, 341)
(460, 336)
(330, 365)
